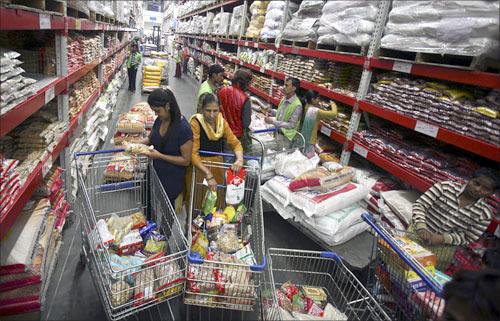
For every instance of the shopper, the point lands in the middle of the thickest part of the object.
(172, 139)
(178, 55)
(210, 132)
(312, 115)
(235, 105)
(185, 58)
(215, 79)
(133, 62)
(289, 110)
(451, 214)
(472, 296)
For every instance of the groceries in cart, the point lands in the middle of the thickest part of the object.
(122, 167)
(305, 303)
(145, 110)
(131, 123)
(136, 246)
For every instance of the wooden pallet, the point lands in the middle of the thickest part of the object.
(358, 50)
(467, 62)
(300, 44)
(56, 7)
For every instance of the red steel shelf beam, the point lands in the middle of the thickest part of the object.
(406, 176)
(30, 186)
(324, 54)
(17, 19)
(21, 112)
(467, 143)
(209, 8)
(265, 96)
(332, 133)
(468, 77)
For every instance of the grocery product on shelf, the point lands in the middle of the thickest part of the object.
(81, 91)
(223, 27)
(274, 16)
(340, 123)
(469, 111)
(263, 58)
(454, 27)
(258, 11)
(236, 21)
(305, 22)
(347, 23)
(15, 88)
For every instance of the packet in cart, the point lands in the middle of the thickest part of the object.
(235, 190)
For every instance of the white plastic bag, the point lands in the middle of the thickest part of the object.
(294, 164)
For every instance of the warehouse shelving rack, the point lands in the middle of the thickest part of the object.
(56, 88)
(370, 62)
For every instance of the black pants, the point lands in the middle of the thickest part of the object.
(132, 73)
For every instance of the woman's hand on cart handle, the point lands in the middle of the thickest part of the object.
(424, 234)
(212, 183)
(237, 165)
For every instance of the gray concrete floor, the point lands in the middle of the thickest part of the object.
(72, 294)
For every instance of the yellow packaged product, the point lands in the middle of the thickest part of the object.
(152, 68)
(486, 112)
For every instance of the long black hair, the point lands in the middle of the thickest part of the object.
(308, 97)
(159, 98)
(207, 98)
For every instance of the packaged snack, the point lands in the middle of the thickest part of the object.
(220, 280)
(313, 308)
(209, 201)
(197, 279)
(198, 221)
(147, 229)
(137, 149)
(200, 244)
(155, 243)
(284, 301)
(131, 243)
(120, 168)
(120, 263)
(144, 286)
(121, 293)
(138, 219)
(235, 190)
(131, 123)
(289, 289)
(246, 255)
(106, 237)
(298, 302)
(227, 240)
(230, 213)
(317, 294)
(119, 227)
(240, 212)
(218, 219)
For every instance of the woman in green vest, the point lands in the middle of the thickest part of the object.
(289, 112)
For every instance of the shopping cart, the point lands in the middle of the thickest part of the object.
(226, 284)
(128, 284)
(410, 290)
(317, 269)
(267, 147)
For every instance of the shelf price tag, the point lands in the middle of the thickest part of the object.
(47, 166)
(427, 129)
(256, 45)
(402, 67)
(80, 118)
(361, 150)
(44, 21)
(241, 63)
(78, 24)
(246, 43)
(49, 95)
(262, 69)
(326, 130)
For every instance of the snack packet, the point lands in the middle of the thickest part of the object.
(235, 190)
(155, 243)
(209, 201)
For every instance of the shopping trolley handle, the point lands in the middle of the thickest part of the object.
(196, 259)
(261, 131)
(227, 155)
(370, 220)
(331, 255)
(102, 151)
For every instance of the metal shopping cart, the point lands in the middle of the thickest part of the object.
(269, 144)
(219, 282)
(411, 291)
(317, 269)
(128, 284)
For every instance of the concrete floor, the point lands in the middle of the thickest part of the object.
(72, 294)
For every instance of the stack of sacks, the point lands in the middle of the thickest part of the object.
(92, 49)
(225, 19)
(396, 208)
(236, 26)
(15, 88)
(75, 54)
(274, 18)
(347, 22)
(81, 91)
(9, 184)
(209, 24)
(444, 27)
(258, 11)
(305, 22)
(143, 109)
(215, 24)
(7, 146)
(323, 199)
(152, 77)
(197, 24)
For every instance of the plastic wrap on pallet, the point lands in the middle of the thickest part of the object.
(274, 17)
(347, 22)
(467, 28)
(305, 22)
(236, 20)
(225, 19)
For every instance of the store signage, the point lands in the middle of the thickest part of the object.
(326, 130)
(427, 129)
(361, 150)
(402, 67)
(44, 21)
(49, 94)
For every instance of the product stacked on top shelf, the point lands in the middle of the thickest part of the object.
(258, 11)
(15, 87)
(304, 25)
(274, 17)
(81, 91)
(237, 21)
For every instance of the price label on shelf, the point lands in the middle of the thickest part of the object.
(241, 63)
(80, 118)
(326, 130)
(49, 95)
(78, 24)
(427, 129)
(361, 150)
(246, 43)
(402, 67)
(44, 21)
(256, 45)
(262, 69)
(47, 166)
(96, 26)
